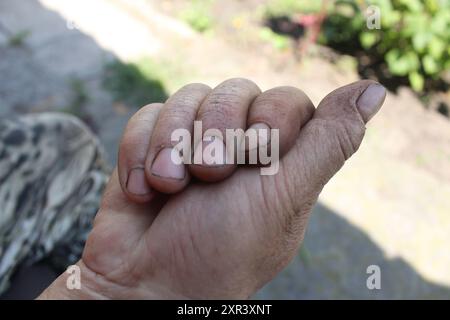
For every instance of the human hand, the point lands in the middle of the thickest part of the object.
(159, 235)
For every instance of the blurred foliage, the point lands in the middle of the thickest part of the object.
(413, 39)
(78, 101)
(79, 97)
(289, 7)
(278, 41)
(19, 38)
(135, 84)
(197, 14)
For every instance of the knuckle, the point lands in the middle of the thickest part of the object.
(174, 116)
(237, 81)
(349, 136)
(189, 95)
(342, 137)
(138, 128)
(224, 103)
(271, 101)
(240, 87)
(192, 87)
(285, 92)
(220, 108)
(151, 108)
(289, 101)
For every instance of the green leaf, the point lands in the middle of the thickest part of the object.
(420, 41)
(389, 18)
(414, 39)
(414, 22)
(368, 39)
(431, 5)
(278, 41)
(400, 63)
(447, 65)
(416, 80)
(439, 23)
(412, 5)
(430, 65)
(436, 48)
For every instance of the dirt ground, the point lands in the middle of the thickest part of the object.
(389, 206)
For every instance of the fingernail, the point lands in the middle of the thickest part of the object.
(371, 101)
(210, 153)
(163, 166)
(263, 134)
(137, 183)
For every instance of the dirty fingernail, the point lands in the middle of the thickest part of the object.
(371, 101)
(137, 183)
(163, 166)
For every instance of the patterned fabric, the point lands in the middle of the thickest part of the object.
(52, 175)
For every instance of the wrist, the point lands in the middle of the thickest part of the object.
(64, 286)
(94, 286)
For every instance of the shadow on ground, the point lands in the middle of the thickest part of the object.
(56, 67)
(333, 261)
(335, 255)
(331, 265)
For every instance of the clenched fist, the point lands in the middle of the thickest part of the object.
(170, 229)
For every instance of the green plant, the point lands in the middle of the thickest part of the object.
(277, 41)
(197, 15)
(136, 84)
(413, 39)
(78, 97)
(274, 8)
(19, 38)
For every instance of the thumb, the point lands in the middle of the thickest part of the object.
(329, 139)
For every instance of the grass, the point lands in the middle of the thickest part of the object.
(18, 39)
(135, 84)
(79, 97)
(78, 101)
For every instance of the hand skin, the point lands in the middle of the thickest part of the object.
(228, 238)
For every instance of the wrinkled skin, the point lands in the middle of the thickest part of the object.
(224, 239)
